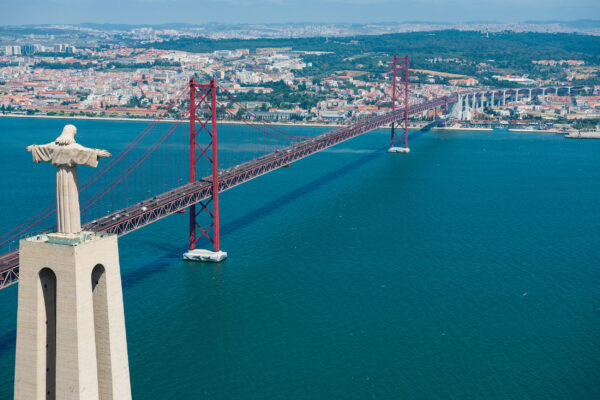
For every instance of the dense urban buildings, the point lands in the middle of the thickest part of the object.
(102, 72)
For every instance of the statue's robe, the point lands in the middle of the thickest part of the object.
(66, 158)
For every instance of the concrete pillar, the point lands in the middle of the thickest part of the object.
(543, 91)
(71, 340)
(457, 109)
(569, 89)
(504, 97)
(530, 93)
(493, 99)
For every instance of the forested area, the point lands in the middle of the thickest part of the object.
(508, 49)
(473, 53)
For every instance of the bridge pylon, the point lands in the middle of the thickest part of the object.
(200, 95)
(402, 64)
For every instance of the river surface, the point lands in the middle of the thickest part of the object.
(467, 269)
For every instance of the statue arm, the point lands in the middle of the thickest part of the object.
(41, 153)
(102, 153)
(86, 156)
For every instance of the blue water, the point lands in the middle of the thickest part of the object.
(468, 269)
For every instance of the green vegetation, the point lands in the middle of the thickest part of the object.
(324, 65)
(134, 101)
(156, 63)
(6, 109)
(586, 124)
(49, 65)
(109, 66)
(478, 54)
(282, 97)
(22, 31)
(506, 48)
(59, 54)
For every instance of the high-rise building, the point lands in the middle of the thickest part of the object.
(28, 49)
(12, 50)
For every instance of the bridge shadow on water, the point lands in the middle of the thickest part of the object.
(161, 264)
(174, 252)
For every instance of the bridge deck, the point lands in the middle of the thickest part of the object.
(150, 210)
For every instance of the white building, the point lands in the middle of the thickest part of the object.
(12, 50)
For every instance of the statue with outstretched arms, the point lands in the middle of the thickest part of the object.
(66, 154)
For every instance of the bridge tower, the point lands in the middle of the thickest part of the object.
(400, 63)
(204, 95)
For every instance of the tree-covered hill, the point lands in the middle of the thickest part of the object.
(506, 48)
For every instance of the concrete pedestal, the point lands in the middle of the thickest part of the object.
(71, 340)
(398, 150)
(204, 255)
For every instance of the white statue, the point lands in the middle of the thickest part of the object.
(66, 154)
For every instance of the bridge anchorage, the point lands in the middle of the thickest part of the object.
(402, 64)
(204, 94)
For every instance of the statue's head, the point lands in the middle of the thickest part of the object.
(67, 136)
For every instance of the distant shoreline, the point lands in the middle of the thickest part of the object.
(460, 128)
(230, 122)
(83, 117)
(557, 131)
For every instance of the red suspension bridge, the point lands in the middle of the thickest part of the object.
(145, 181)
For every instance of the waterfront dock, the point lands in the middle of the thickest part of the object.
(583, 135)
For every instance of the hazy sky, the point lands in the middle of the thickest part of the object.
(16, 12)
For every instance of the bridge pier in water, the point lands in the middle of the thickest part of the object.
(204, 94)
